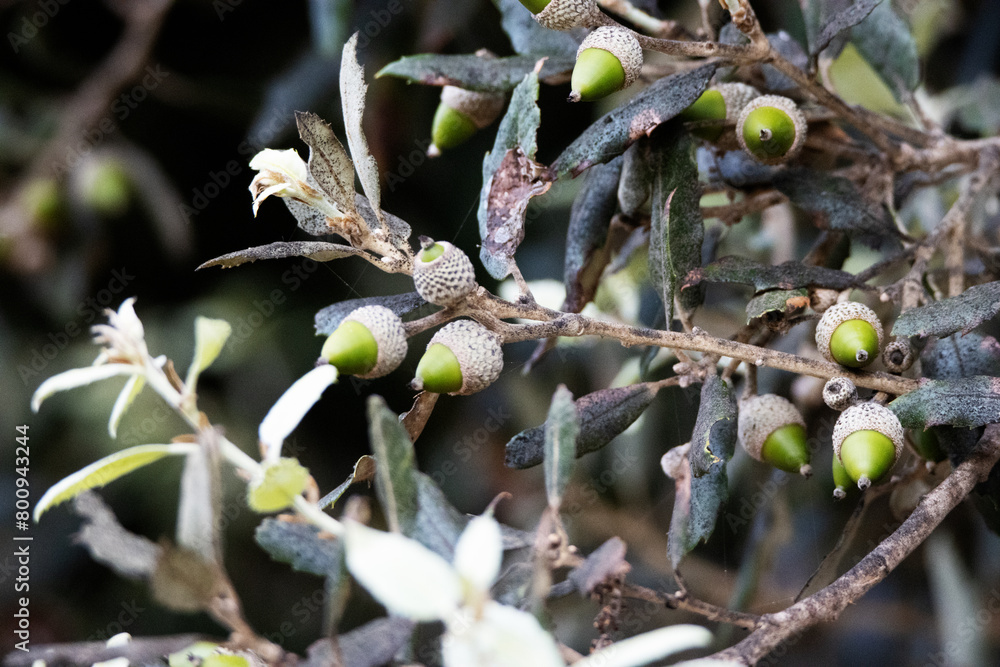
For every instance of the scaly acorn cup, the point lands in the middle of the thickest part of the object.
(609, 59)
(442, 274)
(771, 129)
(867, 439)
(721, 102)
(849, 334)
(839, 393)
(772, 430)
(563, 14)
(463, 357)
(370, 342)
(460, 114)
(898, 355)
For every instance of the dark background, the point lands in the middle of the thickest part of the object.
(176, 169)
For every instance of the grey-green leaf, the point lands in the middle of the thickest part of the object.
(526, 36)
(561, 430)
(603, 415)
(319, 251)
(835, 203)
(677, 230)
(511, 178)
(299, 545)
(779, 301)
(962, 313)
(328, 162)
(884, 39)
(786, 276)
(960, 356)
(587, 234)
(471, 72)
(608, 138)
(714, 435)
(352, 98)
(395, 479)
(364, 471)
(969, 402)
(328, 319)
(847, 17)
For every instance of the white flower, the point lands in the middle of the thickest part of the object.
(283, 173)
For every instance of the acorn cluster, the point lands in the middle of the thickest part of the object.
(463, 357)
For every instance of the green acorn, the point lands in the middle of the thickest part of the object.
(772, 430)
(609, 59)
(841, 480)
(442, 274)
(460, 114)
(898, 355)
(463, 357)
(563, 14)
(849, 334)
(721, 102)
(771, 129)
(839, 393)
(867, 439)
(370, 342)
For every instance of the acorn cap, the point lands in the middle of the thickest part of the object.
(867, 417)
(771, 138)
(567, 14)
(736, 96)
(482, 108)
(838, 314)
(759, 417)
(390, 336)
(898, 355)
(821, 298)
(839, 393)
(478, 351)
(447, 277)
(591, 68)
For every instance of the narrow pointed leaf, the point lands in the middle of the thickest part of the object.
(964, 313)
(561, 430)
(328, 162)
(587, 234)
(199, 504)
(968, 402)
(789, 275)
(107, 470)
(395, 480)
(884, 39)
(285, 415)
(603, 415)
(210, 337)
(677, 230)
(319, 251)
(608, 138)
(841, 21)
(364, 471)
(492, 75)
(511, 178)
(78, 377)
(352, 97)
(128, 394)
(328, 319)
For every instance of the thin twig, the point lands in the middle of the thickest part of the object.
(683, 601)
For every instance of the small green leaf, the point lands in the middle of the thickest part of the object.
(969, 402)
(884, 39)
(608, 138)
(780, 301)
(488, 75)
(677, 230)
(603, 415)
(561, 429)
(209, 338)
(786, 276)
(964, 313)
(395, 480)
(282, 482)
(107, 470)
